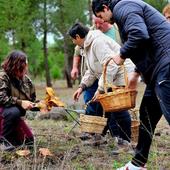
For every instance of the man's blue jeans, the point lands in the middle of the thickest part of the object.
(94, 108)
(155, 102)
(119, 124)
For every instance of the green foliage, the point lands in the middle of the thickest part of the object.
(158, 4)
(64, 16)
(56, 72)
(59, 58)
(17, 18)
(35, 58)
(4, 49)
(72, 116)
(56, 64)
(89, 166)
(22, 27)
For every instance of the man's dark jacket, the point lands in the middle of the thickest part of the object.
(145, 34)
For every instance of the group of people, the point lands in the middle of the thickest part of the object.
(145, 35)
(99, 49)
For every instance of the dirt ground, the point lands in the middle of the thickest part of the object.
(68, 151)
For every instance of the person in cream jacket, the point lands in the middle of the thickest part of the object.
(97, 49)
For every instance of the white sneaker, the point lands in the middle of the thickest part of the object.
(130, 166)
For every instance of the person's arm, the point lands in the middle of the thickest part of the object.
(87, 80)
(6, 99)
(133, 74)
(137, 35)
(133, 80)
(75, 68)
(104, 50)
(32, 96)
(135, 29)
(76, 63)
(31, 86)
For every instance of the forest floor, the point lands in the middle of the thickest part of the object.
(69, 152)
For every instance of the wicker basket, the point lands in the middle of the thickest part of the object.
(134, 131)
(120, 98)
(92, 124)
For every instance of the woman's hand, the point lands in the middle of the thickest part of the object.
(77, 94)
(27, 104)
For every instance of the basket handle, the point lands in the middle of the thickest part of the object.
(104, 75)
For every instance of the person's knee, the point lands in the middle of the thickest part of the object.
(12, 113)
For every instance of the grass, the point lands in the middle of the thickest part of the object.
(68, 151)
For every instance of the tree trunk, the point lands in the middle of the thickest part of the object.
(23, 45)
(48, 78)
(13, 39)
(67, 68)
(90, 12)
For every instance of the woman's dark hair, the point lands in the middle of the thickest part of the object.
(14, 63)
(79, 29)
(97, 5)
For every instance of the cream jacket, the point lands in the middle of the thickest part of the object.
(98, 49)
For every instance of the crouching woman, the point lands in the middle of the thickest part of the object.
(17, 94)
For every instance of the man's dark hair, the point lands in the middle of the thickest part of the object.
(97, 5)
(79, 29)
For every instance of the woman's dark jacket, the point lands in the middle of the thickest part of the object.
(13, 91)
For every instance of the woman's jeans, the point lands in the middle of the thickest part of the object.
(119, 123)
(155, 102)
(14, 129)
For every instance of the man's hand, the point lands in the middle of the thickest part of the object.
(97, 93)
(74, 73)
(118, 60)
(77, 94)
(133, 80)
(27, 104)
(75, 68)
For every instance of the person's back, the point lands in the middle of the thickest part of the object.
(158, 29)
(154, 37)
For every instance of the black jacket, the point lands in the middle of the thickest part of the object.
(145, 34)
